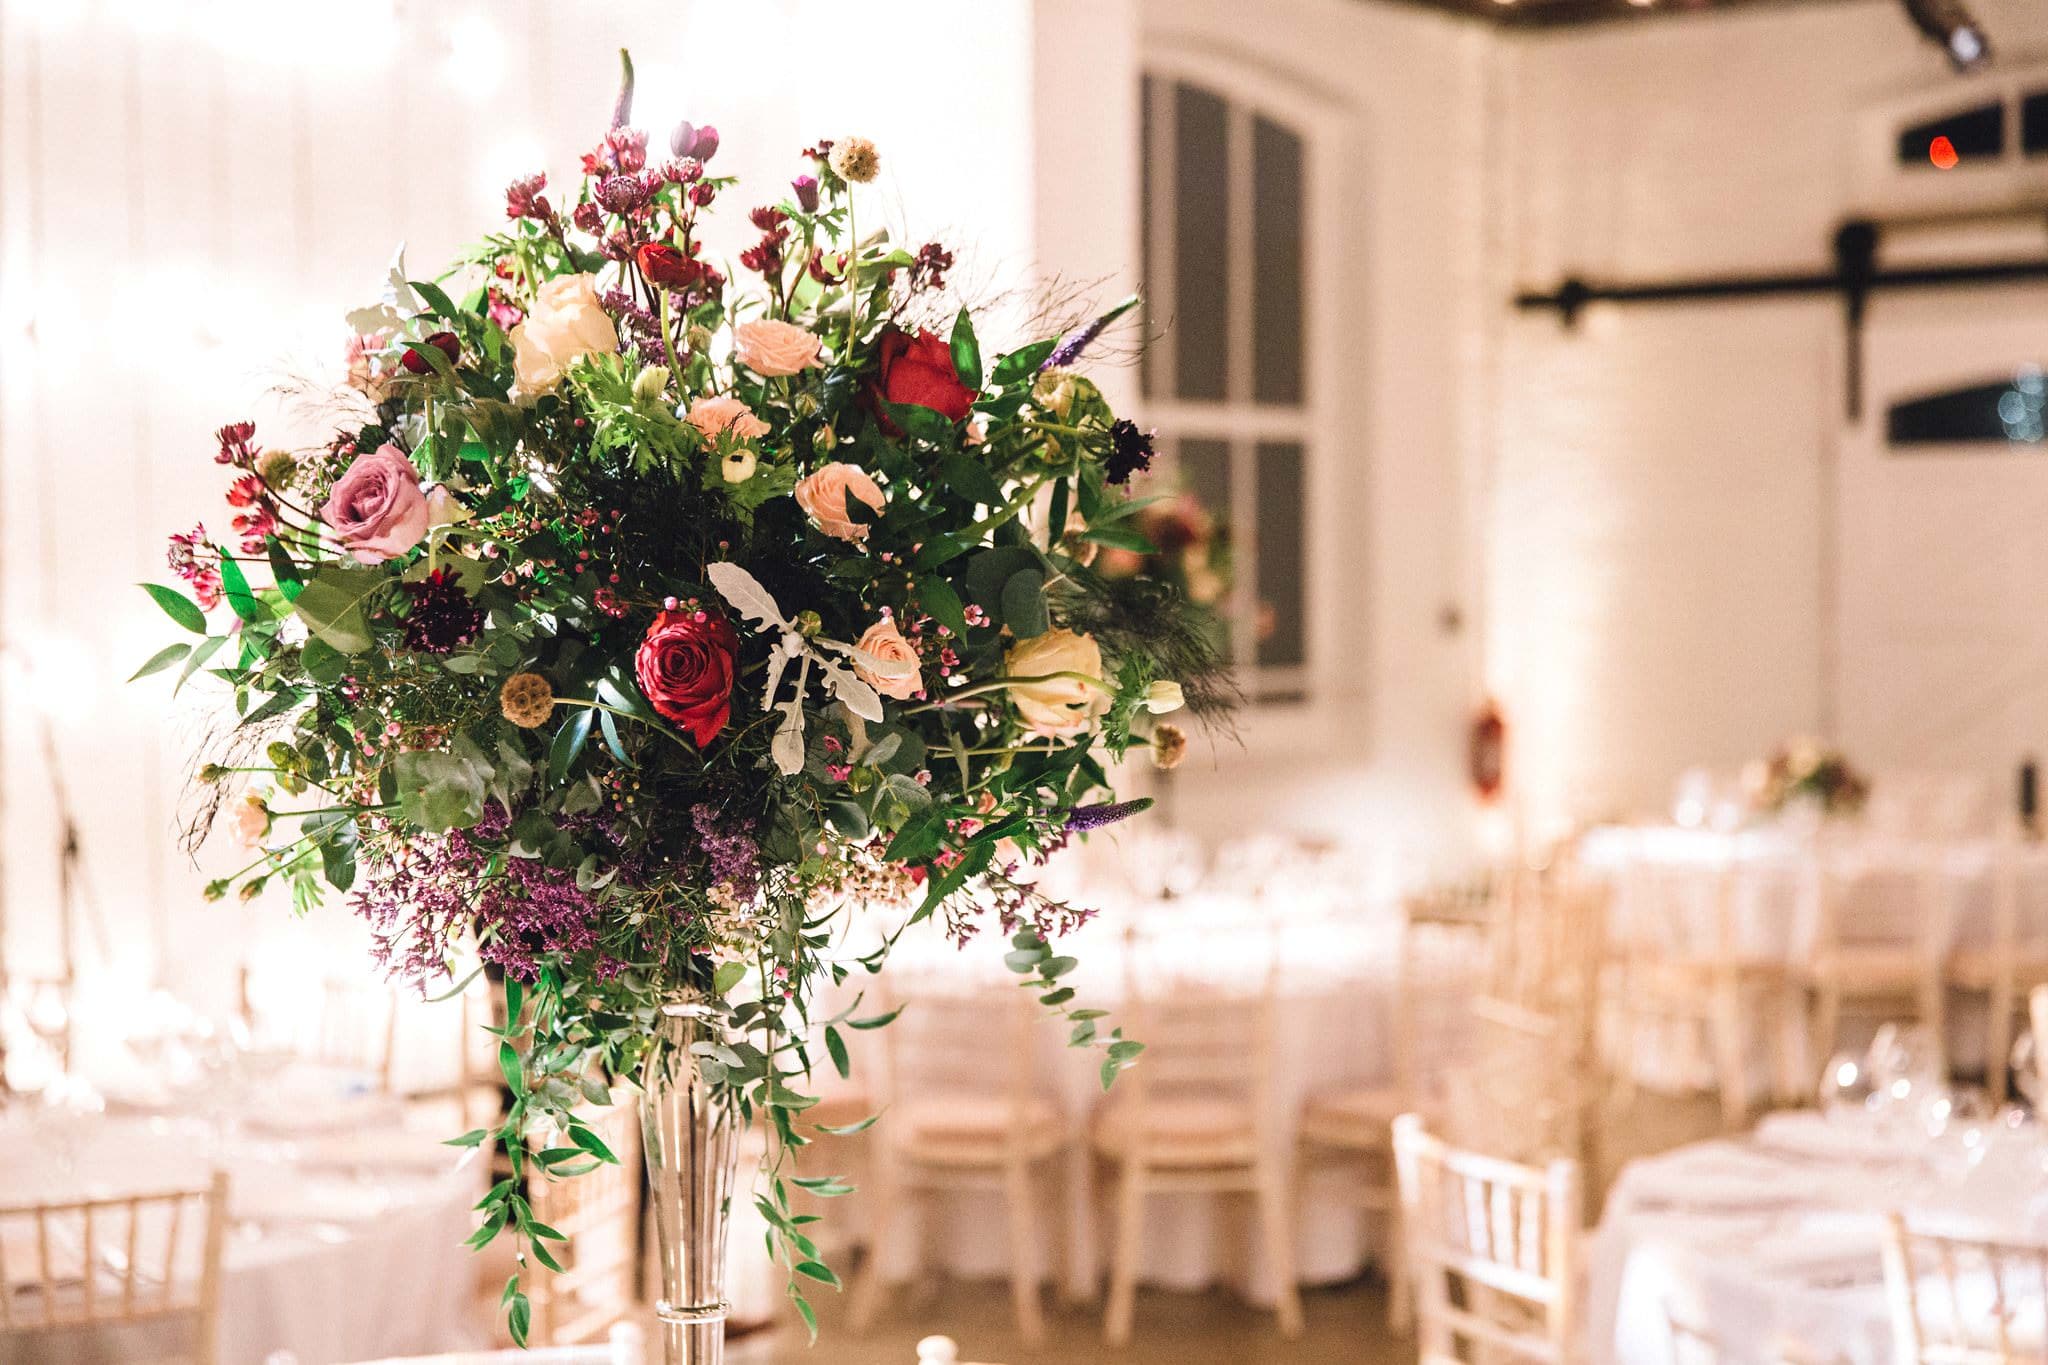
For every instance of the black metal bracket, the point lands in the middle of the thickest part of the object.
(1854, 279)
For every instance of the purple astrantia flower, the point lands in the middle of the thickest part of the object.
(1130, 451)
(1082, 819)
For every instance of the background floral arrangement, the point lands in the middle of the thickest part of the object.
(1805, 770)
(648, 618)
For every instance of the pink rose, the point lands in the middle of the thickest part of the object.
(377, 510)
(887, 645)
(768, 347)
(714, 415)
(824, 498)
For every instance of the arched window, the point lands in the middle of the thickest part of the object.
(1227, 377)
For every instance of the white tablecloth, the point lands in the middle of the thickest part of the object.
(346, 1229)
(1773, 1241)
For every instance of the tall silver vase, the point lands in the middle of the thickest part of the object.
(692, 1145)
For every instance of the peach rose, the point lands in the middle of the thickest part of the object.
(887, 644)
(769, 347)
(713, 415)
(825, 497)
(249, 820)
(1057, 707)
(566, 322)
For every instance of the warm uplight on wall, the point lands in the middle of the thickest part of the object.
(476, 56)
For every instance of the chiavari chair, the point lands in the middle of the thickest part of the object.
(1194, 1114)
(598, 1215)
(2014, 962)
(1686, 967)
(1445, 938)
(1494, 1247)
(144, 1260)
(350, 1025)
(958, 1121)
(1962, 1301)
(1882, 922)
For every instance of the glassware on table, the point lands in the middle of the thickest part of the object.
(1846, 1090)
(1961, 1127)
(2026, 1069)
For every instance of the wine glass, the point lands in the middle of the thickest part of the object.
(1846, 1089)
(2026, 1069)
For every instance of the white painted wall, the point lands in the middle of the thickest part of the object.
(1665, 482)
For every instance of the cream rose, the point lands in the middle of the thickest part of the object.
(825, 497)
(886, 643)
(566, 322)
(1057, 707)
(724, 413)
(769, 347)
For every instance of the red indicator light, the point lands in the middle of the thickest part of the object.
(1942, 153)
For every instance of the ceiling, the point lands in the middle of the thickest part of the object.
(1537, 14)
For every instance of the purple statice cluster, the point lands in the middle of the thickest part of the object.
(423, 898)
(734, 856)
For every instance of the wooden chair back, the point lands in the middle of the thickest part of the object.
(598, 1215)
(145, 1258)
(352, 1025)
(1203, 1037)
(1447, 935)
(1494, 1248)
(978, 1043)
(1962, 1301)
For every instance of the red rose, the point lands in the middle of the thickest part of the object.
(666, 267)
(444, 342)
(917, 370)
(686, 666)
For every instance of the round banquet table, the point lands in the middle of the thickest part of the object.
(1333, 1026)
(1771, 1242)
(346, 1228)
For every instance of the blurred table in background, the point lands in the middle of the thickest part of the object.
(347, 1227)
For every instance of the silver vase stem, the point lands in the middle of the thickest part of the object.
(691, 1141)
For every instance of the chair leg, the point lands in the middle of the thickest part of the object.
(1998, 1042)
(1278, 1230)
(1400, 1289)
(870, 1287)
(1827, 1021)
(1730, 1057)
(1024, 1268)
(1069, 1179)
(1123, 1253)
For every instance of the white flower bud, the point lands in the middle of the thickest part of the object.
(1164, 696)
(652, 382)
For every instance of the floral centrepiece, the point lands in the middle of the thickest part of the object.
(1804, 770)
(650, 617)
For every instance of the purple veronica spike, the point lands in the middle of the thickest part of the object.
(1069, 350)
(1082, 819)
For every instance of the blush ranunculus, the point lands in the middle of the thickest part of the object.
(917, 370)
(566, 322)
(685, 667)
(824, 497)
(725, 413)
(377, 510)
(769, 347)
(1057, 707)
(886, 643)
